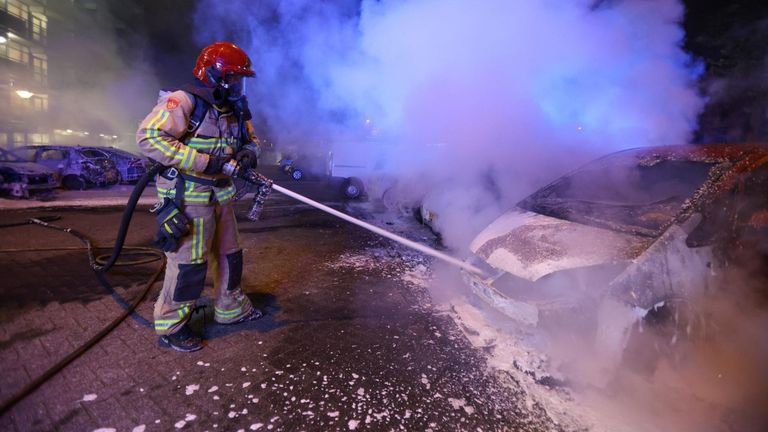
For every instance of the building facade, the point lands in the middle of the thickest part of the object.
(89, 48)
(24, 92)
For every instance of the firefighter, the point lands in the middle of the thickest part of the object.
(195, 131)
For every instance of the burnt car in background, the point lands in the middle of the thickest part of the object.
(22, 179)
(130, 166)
(77, 168)
(627, 236)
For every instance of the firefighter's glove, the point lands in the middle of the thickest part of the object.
(174, 225)
(246, 158)
(215, 163)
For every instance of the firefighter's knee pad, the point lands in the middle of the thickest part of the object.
(190, 282)
(235, 265)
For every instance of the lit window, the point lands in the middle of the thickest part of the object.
(40, 103)
(17, 9)
(39, 28)
(14, 52)
(40, 68)
(38, 138)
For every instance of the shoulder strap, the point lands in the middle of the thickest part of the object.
(198, 114)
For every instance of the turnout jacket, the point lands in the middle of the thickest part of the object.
(163, 136)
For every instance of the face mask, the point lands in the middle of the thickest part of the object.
(234, 86)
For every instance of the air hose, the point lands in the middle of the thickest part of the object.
(99, 264)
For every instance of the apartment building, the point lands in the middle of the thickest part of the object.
(24, 89)
(58, 59)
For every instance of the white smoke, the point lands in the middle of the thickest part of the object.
(479, 100)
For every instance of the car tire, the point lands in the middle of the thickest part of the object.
(73, 182)
(352, 188)
(297, 174)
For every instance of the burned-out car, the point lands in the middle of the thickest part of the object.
(632, 232)
(22, 179)
(76, 167)
(129, 166)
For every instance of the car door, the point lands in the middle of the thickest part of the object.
(55, 159)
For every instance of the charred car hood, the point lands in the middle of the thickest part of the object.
(530, 245)
(26, 168)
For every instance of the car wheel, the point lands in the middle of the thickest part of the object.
(297, 174)
(73, 182)
(352, 188)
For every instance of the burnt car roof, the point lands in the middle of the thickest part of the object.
(554, 237)
(714, 153)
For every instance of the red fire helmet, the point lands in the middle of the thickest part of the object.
(220, 59)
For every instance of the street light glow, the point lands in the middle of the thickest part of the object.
(24, 94)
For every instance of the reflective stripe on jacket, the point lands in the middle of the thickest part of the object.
(159, 137)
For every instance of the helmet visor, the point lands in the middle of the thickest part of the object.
(235, 86)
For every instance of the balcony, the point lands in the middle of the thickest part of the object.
(13, 23)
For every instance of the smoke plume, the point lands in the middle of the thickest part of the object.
(469, 106)
(101, 80)
(480, 100)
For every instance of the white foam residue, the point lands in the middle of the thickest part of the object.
(213, 389)
(191, 389)
(456, 403)
(256, 426)
(180, 424)
(353, 424)
(105, 430)
(418, 276)
(190, 417)
(89, 397)
(246, 384)
(139, 428)
(333, 414)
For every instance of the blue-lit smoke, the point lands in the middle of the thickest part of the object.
(483, 100)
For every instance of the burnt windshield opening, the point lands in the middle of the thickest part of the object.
(622, 195)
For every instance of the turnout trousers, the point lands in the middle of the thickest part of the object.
(213, 235)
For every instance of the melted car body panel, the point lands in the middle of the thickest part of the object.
(531, 246)
(667, 241)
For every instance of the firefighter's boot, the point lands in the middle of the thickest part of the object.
(184, 340)
(253, 315)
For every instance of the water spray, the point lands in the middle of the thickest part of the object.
(265, 185)
(384, 233)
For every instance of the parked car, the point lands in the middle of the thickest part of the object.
(130, 166)
(22, 179)
(77, 168)
(634, 232)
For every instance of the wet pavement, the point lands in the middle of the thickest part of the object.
(350, 340)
